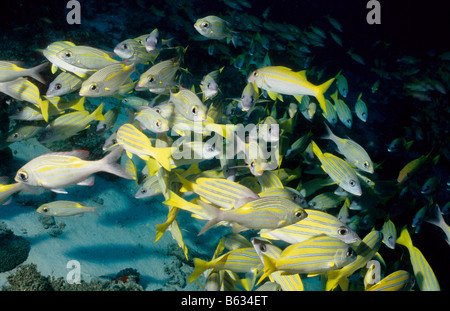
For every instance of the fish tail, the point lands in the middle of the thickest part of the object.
(269, 267)
(321, 89)
(44, 109)
(187, 185)
(200, 267)
(408, 144)
(160, 229)
(329, 135)
(34, 72)
(177, 201)
(213, 213)
(109, 164)
(405, 239)
(435, 217)
(79, 104)
(97, 113)
(316, 150)
(333, 279)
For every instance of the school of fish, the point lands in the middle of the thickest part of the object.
(320, 211)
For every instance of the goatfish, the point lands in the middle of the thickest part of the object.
(339, 171)
(424, 275)
(286, 282)
(107, 81)
(57, 170)
(10, 71)
(282, 80)
(84, 60)
(213, 27)
(317, 255)
(352, 151)
(70, 124)
(64, 83)
(136, 142)
(316, 223)
(65, 208)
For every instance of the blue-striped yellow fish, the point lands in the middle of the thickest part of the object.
(189, 105)
(107, 81)
(7, 190)
(425, 278)
(361, 109)
(133, 51)
(353, 152)
(298, 146)
(325, 200)
(64, 83)
(389, 234)
(24, 90)
(342, 85)
(84, 59)
(317, 255)
(152, 120)
(57, 170)
(219, 191)
(287, 282)
(65, 208)
(70, 124)
(137, 143)
(240, 260)
(365, 251)
(396, 281)
(263, 213)
(209, 85)
(331, 115)
(24, 132)
(316, 223)
(343, 111)
(282, 80)
(213, 27)
(249, 97)
(53, 49)
(339, 171)
(10, 71)
(160, 75)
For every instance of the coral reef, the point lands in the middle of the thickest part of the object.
(13, 249)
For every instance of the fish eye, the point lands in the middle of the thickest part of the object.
(58, 86)
(263, 247)
(114, 141)
(143, 190)
(366, 164)
(158, 123)
(125, 46)
(352, 183)
(210, 149)
(252, 164)
(45, 209)
(15, 135)
(313, 203)
(151, 79)
(255, 73)
(157, 109)
(93, 87)
(205, 25)
(342, 231)
(349, 252)
(68, 54)
(299, 214)
(23, 176)
(194, 110)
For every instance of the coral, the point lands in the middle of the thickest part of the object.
(28, 278)
(13, 249)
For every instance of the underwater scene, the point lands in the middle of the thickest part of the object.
(233, 145)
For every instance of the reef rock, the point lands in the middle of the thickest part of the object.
(13, 249)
